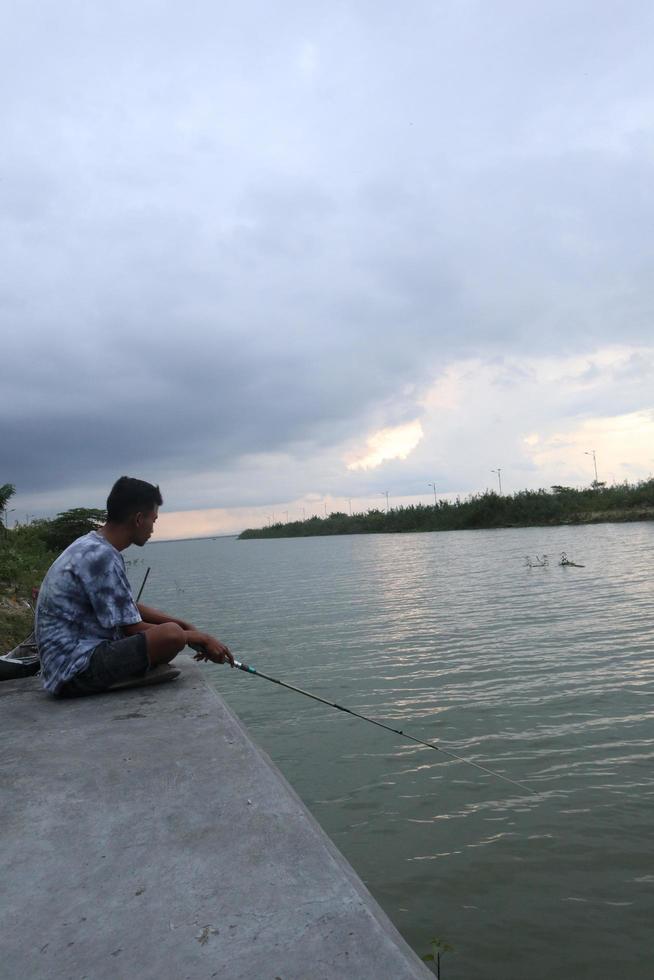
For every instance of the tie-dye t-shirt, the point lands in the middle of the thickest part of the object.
(85, 599)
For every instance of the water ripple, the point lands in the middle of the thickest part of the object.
(545, 675)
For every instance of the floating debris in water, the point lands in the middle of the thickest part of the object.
(566, 563)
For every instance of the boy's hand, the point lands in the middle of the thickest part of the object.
(209, 648)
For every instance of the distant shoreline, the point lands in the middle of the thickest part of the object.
(626, 518)
(488, 511)
(201, 537)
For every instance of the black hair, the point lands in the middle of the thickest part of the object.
(129, 496)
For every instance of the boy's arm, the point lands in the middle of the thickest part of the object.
(206, 647)
(154, 617)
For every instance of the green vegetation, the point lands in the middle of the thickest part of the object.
(58, 533)
(559, 505)
(438, 948)
(26, 553)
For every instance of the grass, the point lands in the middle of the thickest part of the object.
(24, 560)
(16, 623)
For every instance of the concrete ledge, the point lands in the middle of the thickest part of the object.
(145, 835)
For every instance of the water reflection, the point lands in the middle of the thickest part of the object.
(547, 677)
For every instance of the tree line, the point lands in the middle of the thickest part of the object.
(558, 505)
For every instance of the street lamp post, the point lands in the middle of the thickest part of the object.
(384, 493)
(591, 452)
(434, 488)
(499, 477)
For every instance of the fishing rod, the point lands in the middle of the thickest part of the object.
(249, 669)
(396, 731)
(145, 578)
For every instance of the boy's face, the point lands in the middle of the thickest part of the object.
(144, 522)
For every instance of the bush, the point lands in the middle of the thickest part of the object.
(58, 533)
(484, 510)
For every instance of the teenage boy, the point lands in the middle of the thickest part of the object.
(91, 634)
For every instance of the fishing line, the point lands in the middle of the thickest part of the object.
(396, 731)
(248, 669)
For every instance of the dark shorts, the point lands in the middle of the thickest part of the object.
(111, 662)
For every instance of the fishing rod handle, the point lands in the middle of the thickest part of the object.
(237, 663)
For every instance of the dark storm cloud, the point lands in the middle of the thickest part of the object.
(234, 233)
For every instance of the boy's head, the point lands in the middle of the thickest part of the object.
(136, 503)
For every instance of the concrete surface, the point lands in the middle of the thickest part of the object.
(145, 835)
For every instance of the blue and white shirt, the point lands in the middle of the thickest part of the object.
(85, 599)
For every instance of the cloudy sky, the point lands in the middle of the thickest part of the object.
(285, 257)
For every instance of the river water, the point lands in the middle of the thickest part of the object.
(545, 674)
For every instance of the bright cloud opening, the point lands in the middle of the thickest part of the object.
(622, 444)
(394, 443)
